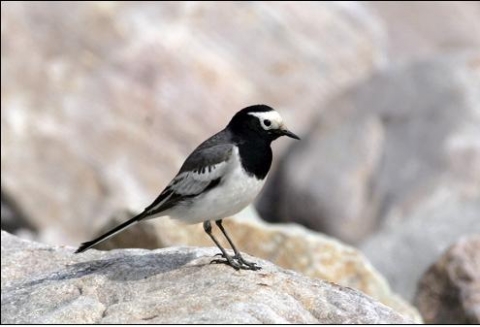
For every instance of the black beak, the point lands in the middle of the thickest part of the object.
(286, 132)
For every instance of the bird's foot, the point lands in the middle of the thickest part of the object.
(237, 262)
(251, 265)
(235, 265)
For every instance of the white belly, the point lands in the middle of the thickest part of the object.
(236, 191)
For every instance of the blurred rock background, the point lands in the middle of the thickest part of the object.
(101, 102)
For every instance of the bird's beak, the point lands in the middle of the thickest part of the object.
(286, 132)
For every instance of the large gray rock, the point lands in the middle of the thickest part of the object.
(403, 251)
(384, 150)
(44, 284)
(289, 246)
(449, 292)
(432, 184)
(104, 100)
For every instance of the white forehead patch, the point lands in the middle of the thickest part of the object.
(273, 117)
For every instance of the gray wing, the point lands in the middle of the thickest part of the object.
(202, 170)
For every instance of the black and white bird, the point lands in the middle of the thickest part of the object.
(219, 178)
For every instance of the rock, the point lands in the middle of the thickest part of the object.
(48, 284)
(287, 245)
(434, 198)
(423, 29)
(105, 100)
(449, 292)
(387, 148)
(403, 250)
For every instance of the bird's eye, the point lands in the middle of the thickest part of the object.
(267, 122)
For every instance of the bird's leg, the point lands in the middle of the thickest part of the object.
(237, 256)
(207, 226)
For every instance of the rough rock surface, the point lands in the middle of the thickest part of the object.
(389, 145)
(287, 245)
(449, 292)
(105, 100)
(44, 284)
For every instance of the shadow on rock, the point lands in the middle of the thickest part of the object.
(123, 267)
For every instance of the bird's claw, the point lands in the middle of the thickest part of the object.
(232, 263)
(251, 265)
(237, 262)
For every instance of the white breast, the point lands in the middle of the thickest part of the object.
(235, 192)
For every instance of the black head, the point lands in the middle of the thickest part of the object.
(259, 121)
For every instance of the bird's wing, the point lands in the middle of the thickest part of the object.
(202, 170)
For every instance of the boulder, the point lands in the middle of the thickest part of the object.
(449, 291)
(384, 150)
(287, 245)
(49, 284)
(403, 250)
(105, 100)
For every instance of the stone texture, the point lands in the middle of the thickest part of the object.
(104, 100)
(287, 245)
(45, 284)
(449, 292)
(385, 149)
(423, 29)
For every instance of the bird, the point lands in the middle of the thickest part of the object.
(218, 179)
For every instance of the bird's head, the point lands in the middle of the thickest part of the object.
(260, 120)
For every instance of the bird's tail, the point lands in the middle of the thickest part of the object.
(87, 245)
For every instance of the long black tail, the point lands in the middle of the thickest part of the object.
(87, 245)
